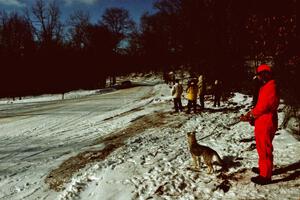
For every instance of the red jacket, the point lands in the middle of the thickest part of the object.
(265, 111)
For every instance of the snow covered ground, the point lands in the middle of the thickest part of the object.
(128, 144)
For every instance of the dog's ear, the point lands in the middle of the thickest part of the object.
(191, 134)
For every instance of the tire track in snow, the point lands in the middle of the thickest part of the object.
(72, 123)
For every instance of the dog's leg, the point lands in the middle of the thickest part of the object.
(194, 161)
(211, 169)
(199, 161)
(209, 164)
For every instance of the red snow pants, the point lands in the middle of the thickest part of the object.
(264, 136)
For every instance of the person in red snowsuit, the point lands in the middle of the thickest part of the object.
(265, 121)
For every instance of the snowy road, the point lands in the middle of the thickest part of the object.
(36, 137)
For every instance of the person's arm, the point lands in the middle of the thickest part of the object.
(173, 90)
(267, 101)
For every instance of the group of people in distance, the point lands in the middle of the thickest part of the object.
(196, 88)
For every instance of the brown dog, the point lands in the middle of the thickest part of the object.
(199, 151)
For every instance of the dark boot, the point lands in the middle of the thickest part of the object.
(261, 180)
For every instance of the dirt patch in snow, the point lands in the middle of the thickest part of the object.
(63, 174)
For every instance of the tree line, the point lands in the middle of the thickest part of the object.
(40, 53)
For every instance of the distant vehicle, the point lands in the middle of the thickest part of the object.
(126, 84)
(123, 85)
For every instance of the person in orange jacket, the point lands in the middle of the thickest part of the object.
(265, 121)
(191, 95)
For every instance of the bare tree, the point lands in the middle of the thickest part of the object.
(118, 21)
(47, 21)
(79, 22)
(16, 35)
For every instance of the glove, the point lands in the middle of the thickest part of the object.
(247, 118)
(243, 118)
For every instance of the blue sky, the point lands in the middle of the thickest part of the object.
(95, 7)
